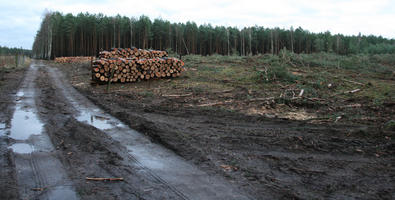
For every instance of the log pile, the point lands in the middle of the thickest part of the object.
(79, 59)
(132, 53)
(122, 68)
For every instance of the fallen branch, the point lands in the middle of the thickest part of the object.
(176, 95)
(103, 179)
(348, 92)
(350, 81)
(223, 91)
(229, 167)
(39, 189)
(301, 92)
(352, 91)
(214, 104)
(317, 119)
(314, 99)
(262, 99)
(357, 105)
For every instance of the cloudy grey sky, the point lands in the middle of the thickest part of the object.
(20, 19)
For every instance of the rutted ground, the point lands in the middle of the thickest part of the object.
(270, 159)
(39, 172)
(264, 157)
(9, 84)
(175, 176)
(267, 157)
(86, 142)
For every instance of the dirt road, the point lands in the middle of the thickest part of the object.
(58, 137)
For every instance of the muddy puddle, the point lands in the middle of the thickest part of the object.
(21, 148)
(96, 118)
(24, 123)
(3, 129)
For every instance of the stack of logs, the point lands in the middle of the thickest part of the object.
(129, 65)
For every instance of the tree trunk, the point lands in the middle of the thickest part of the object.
(249, 34)
(271, 42)
(131, 33)
(49, 40)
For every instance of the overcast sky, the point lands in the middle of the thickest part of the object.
(20, 19)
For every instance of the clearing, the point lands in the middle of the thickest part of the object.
(228, 128)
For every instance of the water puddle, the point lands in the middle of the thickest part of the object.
(97, 121)
(22, 148)
(3, 129)
(20, 94)
(33, 150)
(62, 193)
(24, 123)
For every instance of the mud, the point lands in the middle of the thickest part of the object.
(274, 159)
(9, 84)
(240, 156)
(266, 157)
(86, 151)
(181, 178)
(36, 164)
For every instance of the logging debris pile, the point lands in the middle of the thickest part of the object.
(78, 59)
(131, 65)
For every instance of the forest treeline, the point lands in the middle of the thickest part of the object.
(14, 51)
(86, 34)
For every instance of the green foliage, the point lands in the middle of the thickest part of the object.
(147, 94)
(360, 62)
(381, 48)
(319, 45)
(276, 71)
(280, 73)
(390, 125)
(14, 51)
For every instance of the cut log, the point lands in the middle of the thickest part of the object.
(132, 69)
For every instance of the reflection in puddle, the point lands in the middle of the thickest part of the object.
(20, 94)
(97, 121)
(24, 123)
(62, 192)
(2, 129)
(21, 148)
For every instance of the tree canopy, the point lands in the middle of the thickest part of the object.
(86, 34)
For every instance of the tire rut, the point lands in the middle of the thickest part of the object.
(39, 173)
(151, 159)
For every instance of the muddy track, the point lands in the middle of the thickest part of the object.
(267, 158)
(153, 160)
(71, 138)
(87, 142)
(275, 159)
(39, 173)
(8, 86)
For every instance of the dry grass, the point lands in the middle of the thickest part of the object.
(270, 85)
